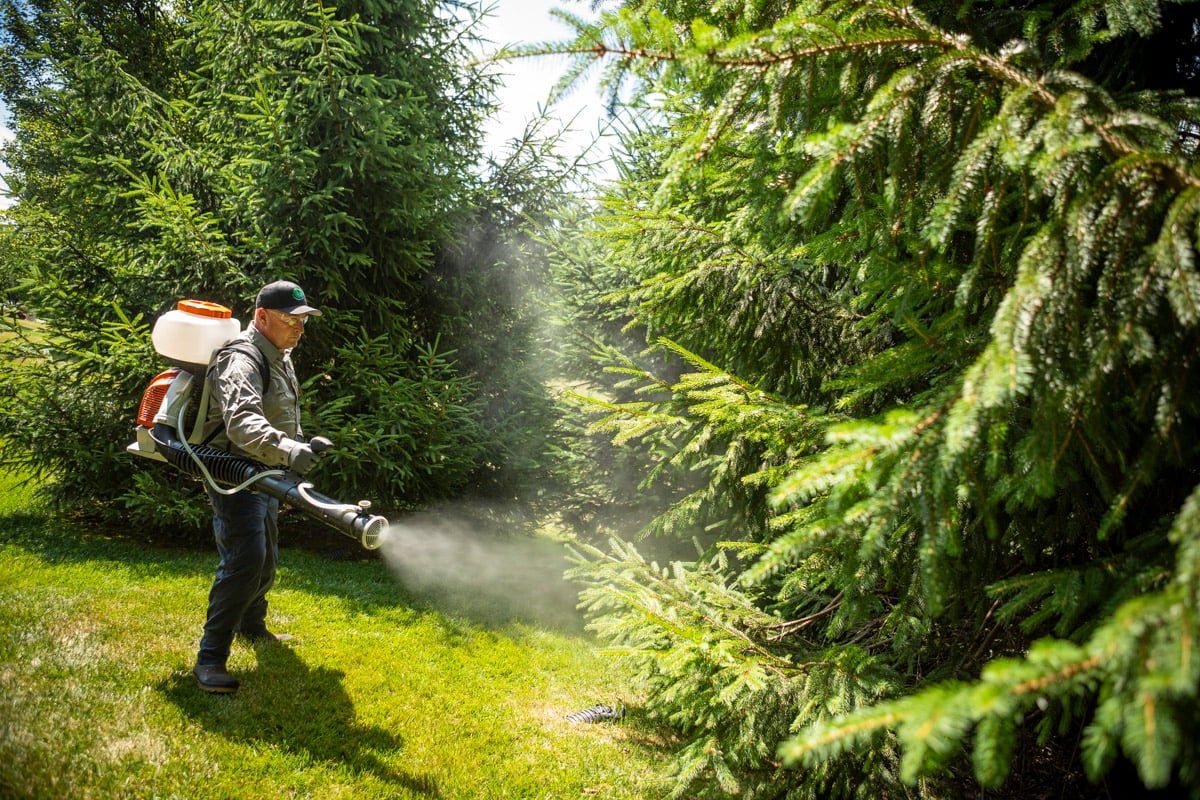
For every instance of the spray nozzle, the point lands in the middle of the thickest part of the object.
(350, 519)
(373, 532)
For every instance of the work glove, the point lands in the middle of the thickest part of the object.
(306, 454)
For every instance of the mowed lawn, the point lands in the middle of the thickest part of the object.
(382, 695)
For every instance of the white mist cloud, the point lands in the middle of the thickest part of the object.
(470, 565)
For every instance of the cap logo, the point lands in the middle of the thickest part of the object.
(298, 293)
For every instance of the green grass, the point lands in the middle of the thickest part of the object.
(381, 695)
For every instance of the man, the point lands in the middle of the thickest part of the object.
(261, 422)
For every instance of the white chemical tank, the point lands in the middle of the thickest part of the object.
(188, 334)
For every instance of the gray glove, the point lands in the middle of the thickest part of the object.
(306, 454)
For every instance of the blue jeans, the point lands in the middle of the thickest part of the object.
(246, 528)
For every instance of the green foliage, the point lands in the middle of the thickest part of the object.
(716, 665)
(436, 433)
(929, 276)
(156, 504)
(49, 372)
(204, 151)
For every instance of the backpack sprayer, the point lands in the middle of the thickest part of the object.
(171, 416)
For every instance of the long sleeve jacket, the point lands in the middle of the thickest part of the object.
(263, 425)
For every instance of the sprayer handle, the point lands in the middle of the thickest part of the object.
(320, 444)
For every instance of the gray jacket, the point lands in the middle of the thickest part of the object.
(264, 426)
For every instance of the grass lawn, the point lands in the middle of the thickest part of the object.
(381, 695)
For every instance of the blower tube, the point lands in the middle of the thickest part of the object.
(217, 466)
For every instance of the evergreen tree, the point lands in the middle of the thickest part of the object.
(331, 143)
(929, 277)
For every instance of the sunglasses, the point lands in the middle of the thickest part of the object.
(291, 320)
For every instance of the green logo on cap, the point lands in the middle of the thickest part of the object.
(298, 293)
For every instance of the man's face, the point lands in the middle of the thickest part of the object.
(281, 328)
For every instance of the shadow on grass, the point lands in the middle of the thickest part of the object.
(300, 710)
(56, 538)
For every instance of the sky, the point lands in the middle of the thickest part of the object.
(528, 81)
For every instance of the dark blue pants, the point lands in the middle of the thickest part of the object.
(246, 527)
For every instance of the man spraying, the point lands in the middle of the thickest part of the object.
(254, 412)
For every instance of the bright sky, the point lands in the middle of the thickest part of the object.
(528, 81)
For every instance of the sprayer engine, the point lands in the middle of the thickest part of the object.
(174, 406)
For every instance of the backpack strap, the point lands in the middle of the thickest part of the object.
(260, 359)
(250, 349)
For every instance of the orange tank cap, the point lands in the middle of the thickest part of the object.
(203, 308)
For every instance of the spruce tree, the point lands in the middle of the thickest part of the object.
(332, 143)
(926, 280)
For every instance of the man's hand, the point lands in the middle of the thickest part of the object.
(302, 459)
(306, 454)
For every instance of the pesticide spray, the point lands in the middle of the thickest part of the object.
(463, 559)
(171, 418)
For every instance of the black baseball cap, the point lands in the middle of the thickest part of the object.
(284, 296)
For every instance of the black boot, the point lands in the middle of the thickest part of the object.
(213, 678)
